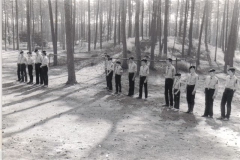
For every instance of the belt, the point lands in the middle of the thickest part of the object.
(229, 89)
(38, 63)
(210, 88)
(191, 85)
(131, 72)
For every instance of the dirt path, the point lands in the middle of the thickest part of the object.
(86, 122)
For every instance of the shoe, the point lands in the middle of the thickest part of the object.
(204, 116)
(176, 110)
(191, 112)
(226, 119)
(165, 105)
(36, 84)
(187, 112)
(220, 118)
(116, 93)
(109, 90)
(46, 86)
(139, 97)
(211, 117)
(145, 99)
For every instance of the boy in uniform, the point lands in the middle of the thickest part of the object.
(19, 66)
(118, 74)
(44, 67)
(177, 91)
(144, 72)
(105, 65)
(169, 78)
(38, 70)
(132, 70)
(30, 63)
(23, 62)
(191, 87)
(211, 89)
(110, 69)
(231, 86)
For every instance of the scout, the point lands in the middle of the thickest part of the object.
(144, 72)
(118, 74)
(177, 91)
(105, 65)
(19, 66)
(110, 69)
(132, 70)
(211, 89)
(148, 60)
(38, 70)
(169, 78)
(44, 67)
(30, 63)
(191, 86)
(23, 62)
(231, 86)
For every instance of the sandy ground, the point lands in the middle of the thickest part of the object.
(86, 122)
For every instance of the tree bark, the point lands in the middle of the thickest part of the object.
(166, 25)
(185, 26)
(13, 27)
(123, 31)
(215, 58)
(28, 26)
(181, 19)
(130, 18)
(206, 26)
(223, 29)
(191, 27)
(160, 28)
(16, 3)
(115, 23)
(142, 22)
(119, 23)
(226, 36)
(69, 39)
(89, 28)
(153, 32)
(137, 41)
(96, 33)
(101, 25)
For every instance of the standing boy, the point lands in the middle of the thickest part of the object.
(169, 77)
(23, 62)
(231, 86)
(44, 67)
(110, 69)
(38, 70)
(177, 91)
(191, 87)
(105, 65)
(132, 70)
(118, 74)
(19, 66)
(144, 72)
(30, 63)
(211, 89)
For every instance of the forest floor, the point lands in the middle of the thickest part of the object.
(85, 121)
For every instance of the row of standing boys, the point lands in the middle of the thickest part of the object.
(173, 85)
(40, 63)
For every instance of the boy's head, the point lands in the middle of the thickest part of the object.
(36, 51)
(29, 54)
(143, 62)
(21, 52)
(212, 72)
(231, 71)
(131, 59)
(109, 59)
(44, 53)
(118, 63)
(169, 61)
(192, 69)
(178, 75)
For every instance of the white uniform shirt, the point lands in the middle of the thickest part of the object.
(45, 61)
(30, 61)
(118, 70)
(132, 67)
(144, 70)
(23, 60)
(170, 72)
(38, 58)
(232, 82)
(211, 82)
(192, 79)
(110, 66)
(19, 59)
(177, 84)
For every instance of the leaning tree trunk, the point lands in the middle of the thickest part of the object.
(232, 39)
(123, 29)
(70, 55)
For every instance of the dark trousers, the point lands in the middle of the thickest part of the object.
(38, 73)
(168, 91)
(190, 97)
(176, 99)
(209, 102)
(19, 71)
(45, 75)
(106, 76)
(141, 84)
(30, 72)
(109, 80)
(226, 98)
(131, 84)
(118, 83)
(23, 72)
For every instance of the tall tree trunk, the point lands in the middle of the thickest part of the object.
(16, 3)
(215, 58)
(5, 13)
(69, 39)
(115, 23)
(41, 19)
(89, 28)
(28, 26)
(232, 39)
(206, 26)
(153, 32)
(200, 36)
(176, 26)
(119, 23)
(53, 33)
(96, 33)
(223, 29)
(142, 22)
(191, 27)
(123, 29)
(166, 25)
(130, 18)
(74, 24)
(13, 26)
(226, 36)
(185, 26)
(181, 19)
(137, 41)
(101, 25)
(56, 32)
(160, 28)
(109, 20)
